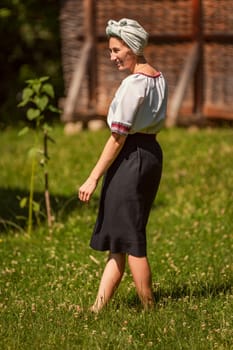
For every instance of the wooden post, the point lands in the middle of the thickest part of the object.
(85, 64)
(199, 72)
(90, 30)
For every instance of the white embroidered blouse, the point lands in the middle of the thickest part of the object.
(139, 105)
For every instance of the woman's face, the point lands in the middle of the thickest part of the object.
(121, 55)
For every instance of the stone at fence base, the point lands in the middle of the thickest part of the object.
(95, 125)
(73, 128)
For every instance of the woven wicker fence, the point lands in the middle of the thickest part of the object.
(159, 17)
(218, 16)
(218, 58)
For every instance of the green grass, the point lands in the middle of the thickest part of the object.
(44, 277)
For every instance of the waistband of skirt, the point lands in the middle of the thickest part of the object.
(142, 135)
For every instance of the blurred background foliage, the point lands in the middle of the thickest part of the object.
(30, 48)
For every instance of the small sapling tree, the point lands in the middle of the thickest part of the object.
(37, 97)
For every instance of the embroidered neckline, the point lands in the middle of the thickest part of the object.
(148, 75)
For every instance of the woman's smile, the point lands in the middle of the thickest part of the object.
(121, 54)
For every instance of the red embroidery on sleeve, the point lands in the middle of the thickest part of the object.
(120, 128)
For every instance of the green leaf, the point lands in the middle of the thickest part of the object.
(23, 131)
(33, 113)
(23, 103)
(36, 206)
(41, 102)
(54, 109)
(27, 93)
(41, 117)
(36, 87)
(31, 81)
(43, 79)
(33, 152)
(23, 202)
(47, 128)
(48, 89)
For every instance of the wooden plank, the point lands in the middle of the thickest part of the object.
(185, 77)
(90, 29)
(75, 85)
(199, 71)
(212, 111)
(219, 37)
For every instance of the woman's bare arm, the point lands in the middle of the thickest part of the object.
(111, 150)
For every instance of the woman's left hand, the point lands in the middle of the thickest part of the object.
(86, 190)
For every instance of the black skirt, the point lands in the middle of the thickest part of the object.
(128, 191)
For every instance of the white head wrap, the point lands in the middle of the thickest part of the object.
(131, 32)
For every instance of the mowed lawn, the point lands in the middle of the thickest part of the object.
(45, 279)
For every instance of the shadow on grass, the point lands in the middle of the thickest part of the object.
(14, 217)
(205, 290)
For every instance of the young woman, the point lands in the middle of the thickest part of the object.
(131, 163)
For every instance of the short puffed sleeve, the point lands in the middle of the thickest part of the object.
(124, 107)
